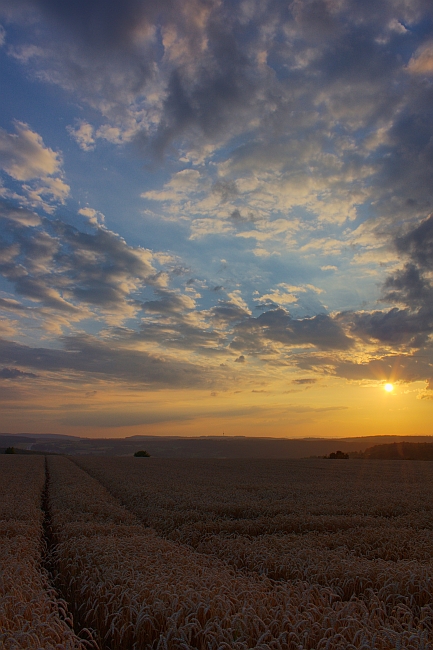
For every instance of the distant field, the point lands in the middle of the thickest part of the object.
(217, 554)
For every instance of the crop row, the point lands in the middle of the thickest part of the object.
(253, 498)
(308, 558)
(142, 591)
(376, 569)
(31, 614)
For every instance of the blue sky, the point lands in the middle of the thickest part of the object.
(216, 216)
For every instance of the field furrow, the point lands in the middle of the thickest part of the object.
(31, 614)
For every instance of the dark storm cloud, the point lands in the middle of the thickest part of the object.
(408, 285)
(405, 172)
(411, 325)
(394, 327)
(418, 243)
(278, 326)
(412, 284)
(86, 354)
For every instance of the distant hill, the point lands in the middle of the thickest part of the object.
(401, 451)
(204, 446)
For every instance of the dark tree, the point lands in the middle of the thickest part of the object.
(142, 454)
(338, 454)
(10, 450)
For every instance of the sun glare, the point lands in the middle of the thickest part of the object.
(389, 388)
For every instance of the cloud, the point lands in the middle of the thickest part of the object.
(169, 302)
(307, 381)
(95, 217)
(83, 134)
(95, 358)
(393, 367)
(14, 373)
(411, 323)
(286, 294)
(242, 219)
(393, 327)
(228, 312)
(69, 271)
(312, 409)
(408, 286)
(175, 331)
(422, 61)
(19, 215)
(226, 189)
(24, 156)
(418, 243)
(321, 331)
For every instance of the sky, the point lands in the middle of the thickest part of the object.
(216, 216)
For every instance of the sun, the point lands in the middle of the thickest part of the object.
(389, 388)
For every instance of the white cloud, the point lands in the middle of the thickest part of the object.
(95, 217)
(24, 156)
(236, 298)
(83, 134)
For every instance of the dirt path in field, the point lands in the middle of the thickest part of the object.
(49, 563)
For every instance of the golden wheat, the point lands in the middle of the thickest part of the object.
(31, 615)
(142, 591)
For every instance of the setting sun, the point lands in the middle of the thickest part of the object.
(389, 388)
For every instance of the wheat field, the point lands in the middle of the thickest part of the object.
(31, 613)
(218, 554)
